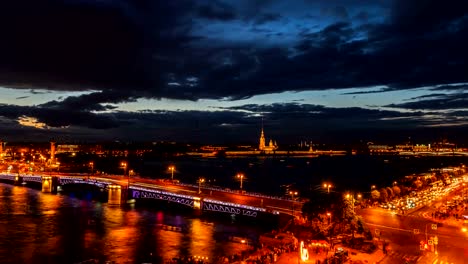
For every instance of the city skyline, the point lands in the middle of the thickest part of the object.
(208, 71)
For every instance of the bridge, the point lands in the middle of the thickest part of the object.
(202, 198)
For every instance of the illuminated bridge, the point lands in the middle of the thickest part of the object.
(121, 190)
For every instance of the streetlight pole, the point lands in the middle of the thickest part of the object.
(241, 177)
(292, 193)
(327, 186)
(200, 181)
(92, 168)
(124, 166)
(172, 168)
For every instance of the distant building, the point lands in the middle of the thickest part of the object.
(272, 146)
(422, 148)
(67, 149)
(373, 148)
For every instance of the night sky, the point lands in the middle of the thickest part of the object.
(208, 70)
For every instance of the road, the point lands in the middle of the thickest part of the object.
(280, 205)
(400, 231)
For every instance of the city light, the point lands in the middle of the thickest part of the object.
(240, 176)
(200, 181)
(327, 186)
(172, 168)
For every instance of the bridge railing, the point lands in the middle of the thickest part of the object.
(216, 188)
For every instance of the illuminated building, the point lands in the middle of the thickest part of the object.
(67, 149)
(272, 146)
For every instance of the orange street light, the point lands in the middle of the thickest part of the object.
(329, 217)
(200, 181)
(241, 177)
(327, 186)
(172, 168)
(92, 168)
(292, 193)
(124, 165)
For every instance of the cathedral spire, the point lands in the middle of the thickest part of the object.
(261, 145)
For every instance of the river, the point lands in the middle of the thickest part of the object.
(37, 227)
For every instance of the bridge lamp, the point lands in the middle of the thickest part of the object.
(240, 176)
(200, 181)
(91, 164)
(172, 168)
(292, 193)
(327, 186)
(124, 166)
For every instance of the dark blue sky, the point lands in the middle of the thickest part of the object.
(206, 70)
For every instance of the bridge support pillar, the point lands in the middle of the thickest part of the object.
(114, 194)
(197, 203)
(18, 180)
(47, 184)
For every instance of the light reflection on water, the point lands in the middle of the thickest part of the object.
(48, 228)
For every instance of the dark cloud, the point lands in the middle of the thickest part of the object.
(90, 102)
(363, 16)
(124, 50)
(339, 12)
(437, 102)
(216, 10)
(286, 123)
(453, 87)
(267, 17)
(144, 45)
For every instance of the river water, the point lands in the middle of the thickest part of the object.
(37, 227)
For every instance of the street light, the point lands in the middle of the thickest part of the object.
(123, 165)
(172, 168)
(329, 218)
(292, 193)
(241, 177)
(92, 168)
(327, 186)
(200, 181)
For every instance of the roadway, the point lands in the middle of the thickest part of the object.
(281, 205)
(405, 242)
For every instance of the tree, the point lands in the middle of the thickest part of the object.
(390, 192)
(348, 211)
(383, 195)
(396, 190)
(417, 184)
(375, 195)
